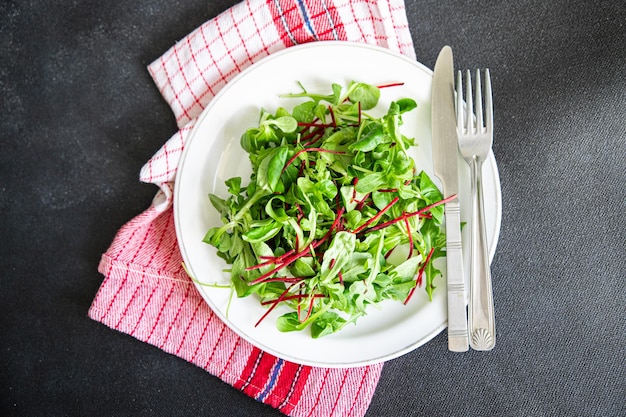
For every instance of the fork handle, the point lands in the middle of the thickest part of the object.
(481, 314)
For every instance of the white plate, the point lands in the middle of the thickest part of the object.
(213, 154)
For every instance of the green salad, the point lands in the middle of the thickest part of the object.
(332, 195)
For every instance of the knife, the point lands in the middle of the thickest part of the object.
(445, 163)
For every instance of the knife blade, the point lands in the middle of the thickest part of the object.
(445, 163)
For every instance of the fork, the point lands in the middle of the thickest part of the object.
(475, 140)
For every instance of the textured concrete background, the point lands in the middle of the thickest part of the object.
(80, 116)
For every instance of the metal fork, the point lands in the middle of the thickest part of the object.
(475, 140)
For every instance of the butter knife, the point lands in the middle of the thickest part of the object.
(445, 163)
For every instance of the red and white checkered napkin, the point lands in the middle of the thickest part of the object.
(146, 292)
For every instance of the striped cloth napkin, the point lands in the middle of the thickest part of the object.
(145, 292)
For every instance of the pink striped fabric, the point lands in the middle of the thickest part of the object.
(146, 292)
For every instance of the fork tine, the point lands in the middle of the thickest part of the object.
(478, 103)
(469, 113)
(460, 122)
(488, 102)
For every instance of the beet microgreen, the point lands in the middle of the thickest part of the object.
(332, 195)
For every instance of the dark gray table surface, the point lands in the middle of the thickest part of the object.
(80, 116)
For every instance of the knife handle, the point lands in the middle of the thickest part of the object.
(457, 314)
(481, 309)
